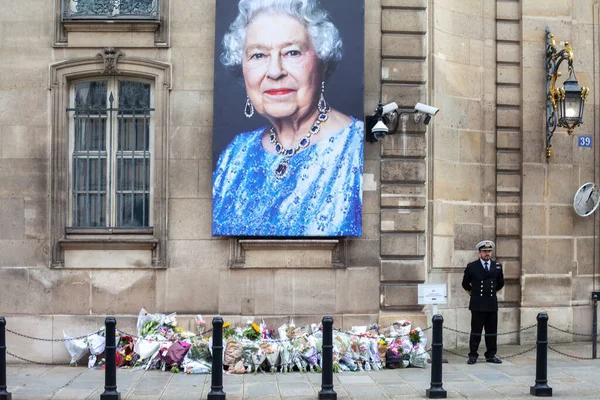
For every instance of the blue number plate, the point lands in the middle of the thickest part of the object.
(584, 141)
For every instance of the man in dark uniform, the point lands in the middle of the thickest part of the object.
(482, 279)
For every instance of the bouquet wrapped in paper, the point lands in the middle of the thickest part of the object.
(374, 358)
(418, 357)
(286, 357)
(77, 348)
(249, 348)
(272, 351)
(233, 353)
(258, 358)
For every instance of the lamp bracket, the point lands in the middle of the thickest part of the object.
(556, 96)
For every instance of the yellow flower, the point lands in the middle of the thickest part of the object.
(127, 358)
(179, 329)
(226, 324)
(255, 327)
(382, 342)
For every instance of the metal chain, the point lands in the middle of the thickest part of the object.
(127, 334)
(569, 355)
(137, 337)
(52, 340)
(520, 353)
(491, 334)
(36, 362)
(571, 333)
(503, 357)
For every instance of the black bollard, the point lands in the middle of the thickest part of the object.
(436, 391)
(110, 367)
(595, 325)
(327, 391)
(541, 388)
(216, 388)
(4, 395)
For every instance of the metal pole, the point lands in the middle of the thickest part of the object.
(110, 371)
(436, 391)
(4, 395)
(216, 388)
(327, 392)
(541, 388)
(595, 327)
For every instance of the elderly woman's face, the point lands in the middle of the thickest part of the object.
(281, 69)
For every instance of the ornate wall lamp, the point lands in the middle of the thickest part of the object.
(564, 105)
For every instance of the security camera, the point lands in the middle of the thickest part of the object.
(425, 109)
(388, 108)
(379, 130)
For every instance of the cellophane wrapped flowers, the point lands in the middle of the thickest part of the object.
(253, 347)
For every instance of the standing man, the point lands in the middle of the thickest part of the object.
(482, 279)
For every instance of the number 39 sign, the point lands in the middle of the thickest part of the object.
(584, 141)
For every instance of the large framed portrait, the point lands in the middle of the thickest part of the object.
(288, 107)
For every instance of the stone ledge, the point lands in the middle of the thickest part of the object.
(286, 253)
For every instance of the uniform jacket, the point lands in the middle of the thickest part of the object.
(483, 285)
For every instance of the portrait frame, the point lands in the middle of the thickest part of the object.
(344, 88)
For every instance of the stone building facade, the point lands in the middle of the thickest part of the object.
(478, 171)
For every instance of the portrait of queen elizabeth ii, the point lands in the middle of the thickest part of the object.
(296, 168)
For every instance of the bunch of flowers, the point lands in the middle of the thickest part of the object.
(414, 336)
(252, 331)
(228, 331)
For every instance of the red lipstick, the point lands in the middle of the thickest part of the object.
(279, 91)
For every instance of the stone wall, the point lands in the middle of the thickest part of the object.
(430, 193)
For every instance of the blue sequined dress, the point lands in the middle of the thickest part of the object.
(321, 195)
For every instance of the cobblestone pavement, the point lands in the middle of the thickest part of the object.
(569, 378)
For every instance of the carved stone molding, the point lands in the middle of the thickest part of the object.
(110, 58)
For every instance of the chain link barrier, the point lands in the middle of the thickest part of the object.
(491, 334)
(37, 362)
(99, 331)
(520, 353)
(571, 333)
(569, 355)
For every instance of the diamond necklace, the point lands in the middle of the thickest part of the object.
(284, 165)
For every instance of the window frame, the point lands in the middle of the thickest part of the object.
(112, 85)
(158, 27)
(62, 236)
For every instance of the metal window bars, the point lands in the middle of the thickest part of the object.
(73, 10)
(111, 184)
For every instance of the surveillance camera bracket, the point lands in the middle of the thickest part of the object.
(395, 116)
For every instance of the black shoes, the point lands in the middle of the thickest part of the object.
(473, 360)
(494, 360)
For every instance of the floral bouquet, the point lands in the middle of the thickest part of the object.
(382, 348)
(228, 331)
(311, 356)
(199, 350)
(200, 324)
(233, 353)
(414, 336)
(296, 351)
(374, 358)
(286, 357)
(362, 346)
(418, 357)
(258, 358)
(125, 352)
(272, 352)
(252, 331)
(249, 349)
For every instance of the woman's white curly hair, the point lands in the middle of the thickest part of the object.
(323, 33)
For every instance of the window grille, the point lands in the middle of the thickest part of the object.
(111, 157)
(110, 9)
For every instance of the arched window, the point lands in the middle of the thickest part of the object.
(111, 146)
(109, 134)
